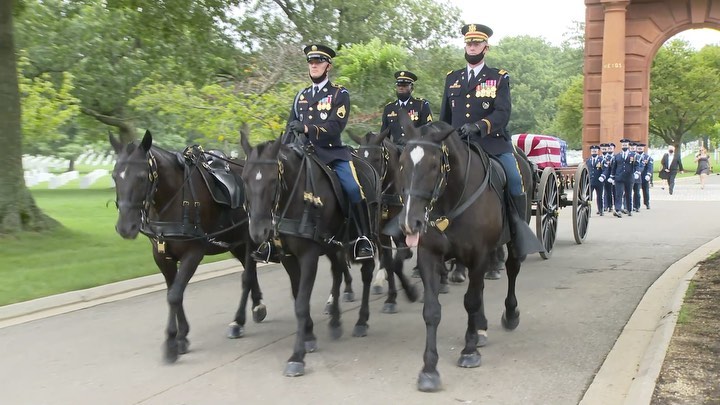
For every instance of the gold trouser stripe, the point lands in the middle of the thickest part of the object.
(517, 166)
(352, 169)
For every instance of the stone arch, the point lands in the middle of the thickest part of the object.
(621, 40)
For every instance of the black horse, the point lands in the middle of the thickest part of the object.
(453, 209)
(292, 199)
(166, 196)
(384, 156)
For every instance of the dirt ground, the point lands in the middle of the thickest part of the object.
(691, 371)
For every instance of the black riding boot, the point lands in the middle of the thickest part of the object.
(266, 252)
(524, 240)
(363, 248)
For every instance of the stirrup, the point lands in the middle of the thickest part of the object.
(263, 254)
(356, 250)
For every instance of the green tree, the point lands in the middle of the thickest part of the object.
(415, 23)
(18, 211)
(683, 86)
(568, 122)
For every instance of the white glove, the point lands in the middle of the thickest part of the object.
(611, 181)
(636, 176)
(647, 177)
(601, 179)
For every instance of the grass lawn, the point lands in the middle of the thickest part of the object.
(85, 253)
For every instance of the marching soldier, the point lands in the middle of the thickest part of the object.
(596, 167)
(320, 112)
(637, 181)
(609, 187)
(417, 108)
(645, 176)
(622, 175)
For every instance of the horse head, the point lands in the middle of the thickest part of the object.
(424, 167)
(373, 148)
(135, 177)
(262, 180)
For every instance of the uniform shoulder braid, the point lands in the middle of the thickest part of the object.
(339, 87)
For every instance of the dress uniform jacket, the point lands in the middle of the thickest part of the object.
(325, 115)
(638, 167)
(596, 168)
(622, 169)
(648, 164)
(418, 110)
(485, 101)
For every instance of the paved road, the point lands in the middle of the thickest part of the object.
(573, 308)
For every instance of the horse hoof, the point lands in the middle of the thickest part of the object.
(512, 323)
(492, 275)
(294, 369)
(183, 346)
(416, 273)
(171, 353)
(444, 288)
(471, 360)
(311, 346)
(327, 309)
(482, 338)
(348, 296)
(389, 308)
(360, 330)
(259, 313)
(235, 331)
(412, 293)
(429, 382)
(336, 332)
(377, 289)
(457, 277)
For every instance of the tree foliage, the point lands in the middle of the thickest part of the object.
(683, 92)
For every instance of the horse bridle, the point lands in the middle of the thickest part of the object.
(144, 206)
(440, 182)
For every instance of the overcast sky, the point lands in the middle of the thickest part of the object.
(536, 18)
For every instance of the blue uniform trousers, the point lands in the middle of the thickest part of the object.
(636, 196)
(646, 193)
(623, 194)
(599, 191)
(346, 173)
(609, 195)
(512, 171)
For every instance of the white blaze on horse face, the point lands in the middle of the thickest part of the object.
(122, 174)
(367, 154)
(258, 176)
(416, 156)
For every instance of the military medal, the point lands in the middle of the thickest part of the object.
(413, 115)
(323, 115)
(479, 90)
(485, 105)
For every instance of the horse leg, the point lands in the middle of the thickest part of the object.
(366, 271)
(477, 323)
(398, 264)
(390, 305)
(380, 277)
(497, 264)
(348, 294)
(178, 328)
(511, 316)
(431, 266)
(305, 340)
(250, 286)
(337, 266)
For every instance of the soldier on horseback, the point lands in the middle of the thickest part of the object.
(318, 115)
(417, 108)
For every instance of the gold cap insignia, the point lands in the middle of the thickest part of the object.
(314, 48)
(472, 28)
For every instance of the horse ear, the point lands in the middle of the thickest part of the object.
(146, 141)
(275, 147)
(383, 135)
(442, 133)
(406, 124)
(116, 145)
(245, 139)
(355, 138)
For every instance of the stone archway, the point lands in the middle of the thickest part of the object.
(621, 40)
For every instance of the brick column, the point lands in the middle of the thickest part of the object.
(612, 92)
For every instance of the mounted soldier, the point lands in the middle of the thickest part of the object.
(417, 108)
(318, 116)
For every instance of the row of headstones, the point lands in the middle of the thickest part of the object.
(33, 178)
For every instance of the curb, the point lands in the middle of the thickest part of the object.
(15, 314)
(630, 370)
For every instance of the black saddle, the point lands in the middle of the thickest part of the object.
(222, 180)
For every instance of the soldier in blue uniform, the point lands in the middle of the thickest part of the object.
(476, 102)
(622, 175)
(609, 187)
(637, 181)
(320, 113)
(645, 176)
(417, 108)
(596, 168)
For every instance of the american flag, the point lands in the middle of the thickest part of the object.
(543, 150)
